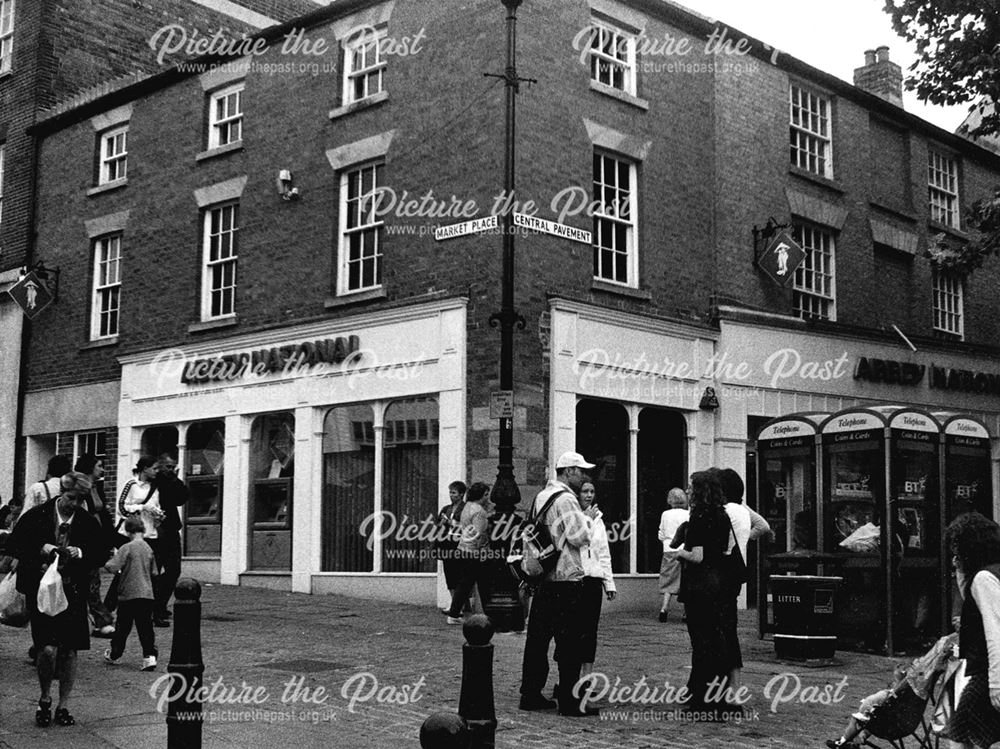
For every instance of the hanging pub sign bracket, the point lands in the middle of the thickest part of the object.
(775, 252)
(36, 289)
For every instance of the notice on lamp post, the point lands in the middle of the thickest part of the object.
(551, 227)
(502, 404)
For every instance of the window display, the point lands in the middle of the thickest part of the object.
(272, 470)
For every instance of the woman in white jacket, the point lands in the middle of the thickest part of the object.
(598, 582)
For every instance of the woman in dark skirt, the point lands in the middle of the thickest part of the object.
(975, 542)
(59, 532)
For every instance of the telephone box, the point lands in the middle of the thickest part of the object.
(786, 497)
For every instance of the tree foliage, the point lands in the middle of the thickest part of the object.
(958, 62)
(958, 53)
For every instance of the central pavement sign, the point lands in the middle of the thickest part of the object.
(551, 227)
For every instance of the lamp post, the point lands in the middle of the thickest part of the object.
(504, 606)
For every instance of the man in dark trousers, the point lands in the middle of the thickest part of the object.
(173, 494)
(557, 604)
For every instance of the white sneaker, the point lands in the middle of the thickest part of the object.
(148, 663)
(107, 630)
(108, 658)
(456, 620)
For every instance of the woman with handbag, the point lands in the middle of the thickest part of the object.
(102, 619)
(139, 497)
(705, 588)
(59, 535)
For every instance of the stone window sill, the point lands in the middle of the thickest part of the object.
(356, 106)
(107, 187)
(100, 343)
(615, 93)
(830, 184)
(222, 322)
(597, 284)
(332, 302)
(212, 153)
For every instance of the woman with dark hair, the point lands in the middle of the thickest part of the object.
(449, 527)
(704, 590)
(975, 543)
(473, 545)
(97, 507)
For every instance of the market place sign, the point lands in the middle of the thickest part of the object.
(285, 359)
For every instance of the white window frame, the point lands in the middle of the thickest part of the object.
(222, 125)
(942, 189)
(113, 164)
(810, 125)
(6, 35)
(609, 217)
(948, 307)
(814, 286)
(105, 305)
(620, 56)
(80, 445)
(359, 218)
(211, 285)
(364, 66)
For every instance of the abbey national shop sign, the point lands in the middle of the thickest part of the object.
(286, 359)
(940, 378)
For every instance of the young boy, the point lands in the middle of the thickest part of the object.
(137, 566)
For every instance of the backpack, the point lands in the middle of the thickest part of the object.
(533, 554)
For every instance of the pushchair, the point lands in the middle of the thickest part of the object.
(912, 712)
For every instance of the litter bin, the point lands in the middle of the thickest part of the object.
(805, 623)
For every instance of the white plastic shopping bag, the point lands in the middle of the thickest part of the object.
(13, 609)
(51, 596)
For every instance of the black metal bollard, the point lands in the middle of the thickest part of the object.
(186, 667)
(476, 701)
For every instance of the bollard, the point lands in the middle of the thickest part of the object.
(186, 667)
(476, 701)
(444, 731)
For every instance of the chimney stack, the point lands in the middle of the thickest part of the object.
(880, 76)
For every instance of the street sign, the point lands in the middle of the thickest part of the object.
(32, 295)
(474, 226)
(781, 257)
(502, 404)
(551, 227)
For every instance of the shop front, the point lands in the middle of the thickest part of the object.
(313, 453)
(888, 439)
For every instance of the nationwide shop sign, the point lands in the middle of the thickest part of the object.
(32, 295)
(781, 257)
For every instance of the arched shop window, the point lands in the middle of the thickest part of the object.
(602, 437)
(159, 440)
(348, 488)
(662, 450)
(272, 470)
(354, 494)
(410, 478)
(206, 446)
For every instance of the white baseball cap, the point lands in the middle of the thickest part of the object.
(572, 460)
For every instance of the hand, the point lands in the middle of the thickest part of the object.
(610, 594)
(49, 549)
(995, 698)
(591, 512)
(74, 552)
(956, 623)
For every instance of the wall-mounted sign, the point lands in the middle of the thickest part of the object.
(32, 295)
(942, 378)
(287, 359)
(888, 371)
(781, 257)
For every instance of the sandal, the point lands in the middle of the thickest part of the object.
(43, 715)
(63, 718)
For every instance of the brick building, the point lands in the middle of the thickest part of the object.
(51, 51)
(316, 362)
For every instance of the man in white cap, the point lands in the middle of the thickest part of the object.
(555, 610)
